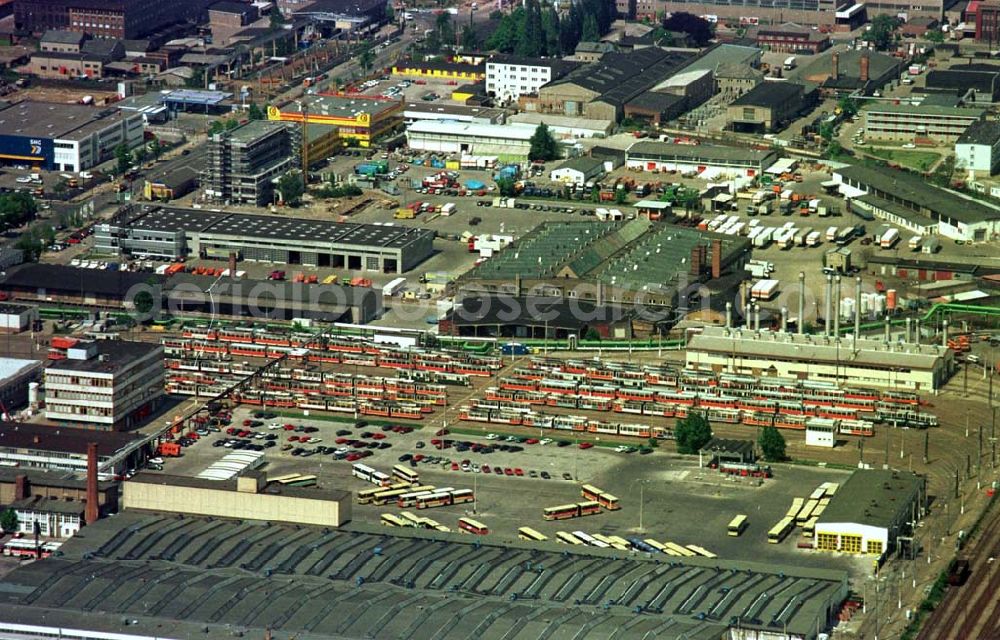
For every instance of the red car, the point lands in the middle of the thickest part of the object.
(247, 422)
(508, 471)
(289, 427)
(518, 471)
(436, 442)
(353, 457)
(340, 441)
(378, 436)
(486, 469)
(293, 438)
(441, 432)
(418, 457)
(531, 441)
(454, 466)
(586, 445)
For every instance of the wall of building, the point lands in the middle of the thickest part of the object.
(893, 125)
(223, 503)
(980, 159)
(849, 537)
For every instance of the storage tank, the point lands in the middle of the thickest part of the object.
(33, 394)
(890, 299)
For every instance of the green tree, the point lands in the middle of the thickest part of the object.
(390, 13)
(156, 148)
(590, 32)
(593, 335)
(849, 106)
(505, 187)
(532, 38)
(550, 26)
(197, 79)
(935, 35)
(543, 145)
(470, 39)
(8, 521)
(230, 123)
(692, 433)
(255, 113)
(291, 187)
(277, 20)
(215, 127)
(772, 444)
(698, 30)
(140, 154)
(833, 150)
(620, 196)
(123, 157)
(882, 32)
(366, 59)
(826, 131)
(445, 30)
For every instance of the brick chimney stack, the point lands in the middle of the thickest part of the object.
(835, 72)
(695, 261)
(92, 511)
(232, 264)
(864, 68)
(716, 258)
(20, 486)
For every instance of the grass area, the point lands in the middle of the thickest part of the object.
(911, 158)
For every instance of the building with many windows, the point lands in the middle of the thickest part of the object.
(707, 160)
(106, 18)
(509, 77)
(107, 384)
(359, 118)
(907, 121)
(871, 512)
(792, 38)
(978, 149)
(243, 164)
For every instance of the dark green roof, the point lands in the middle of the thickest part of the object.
(874, 497)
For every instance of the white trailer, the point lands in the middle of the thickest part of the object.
(889, 239)
(763, 238)
(814, 239)
(831, 234)
(915, 243)
(393, 287)
(764, 290)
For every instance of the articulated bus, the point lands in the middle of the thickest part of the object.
(701, 551)
(603, 498)
(392, 520)
(586, 538)
(806, 512)
(780, 530)
(410, 499)
(25, 548)
(387, 496)
(656, 545)
(412, 519)
(738, 525)
(619, 543)
(405, 474)
(566, 511)
(284, 479)
(567, 538)
(679, 550)
(527, 533)
(366, 473)
(795, 508)
(468, 525)
(365, 495)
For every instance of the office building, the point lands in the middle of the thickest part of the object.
(791, 38)
(58, 449)
(19, 380)
(64, 137)
(917, 122)
(359, 118)
(508, 77)
(243, 164)
(978, 149)
(107, 384)
(106, 18)
(752, 12)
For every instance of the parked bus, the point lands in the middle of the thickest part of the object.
(387, 496)
(605, 499)
(562, 512)
(365, 495)
(527, 533)
(780, 530)
(738, 525)
(656, 545)
(366, 473)
(462, 495)
(819, 493)
(701, 551)
(619, 543)
(25, 548)
(809, 527)
(806, 512)
(679, 550)
(795, 508)
(303, 481)
(410, 499)
(567, 538)
(412, 519)
(586, 538)
(431, 500)
(468, 525)
(392, 520)
(405, 474)
(284, 479)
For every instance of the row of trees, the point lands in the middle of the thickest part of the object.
(531, 31)
(694, 432)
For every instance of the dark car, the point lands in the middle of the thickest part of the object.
(545, 475)
(343, 432)
(567, 476)
(563, 443)
(405, 457)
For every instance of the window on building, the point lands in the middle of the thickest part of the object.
(875, 547)
(850, 543)
(826, 541)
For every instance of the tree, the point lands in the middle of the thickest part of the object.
(156, 148)
(140, 154)
(445, 30)
(550, 26)
(592, 335)
(620, 196)
(590, 32)
(8, 521)
(772, 443)
(935, 35)
(277, 20)
(197, 79)
(698, 30)
(833, 150)
(230, 123)
(826, 131)
(255, 113)
(291, 188)
(849, 106)
(692, 433)
(543, 145)
(882, 32)
(366, 58)
(123, 157)
(505, 187)
(532, 37)
(470, 39)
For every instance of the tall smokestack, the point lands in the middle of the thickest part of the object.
(835, 71)
(887, 329)
(864, 68)
(20, 486)
(91, 512)
(857, 307)
(729, 315)
(944, 334)
(784, 319)
(909, 331)
(696, 261)
(802, 303)
(836, 306)
(232, 264)
(716, 258)
(829, 301)
(756, 317)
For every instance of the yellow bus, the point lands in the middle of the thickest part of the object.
(285, 478)
(405, 474)
(411, 519)
(567, 538)
(392, 520)
(527, 533)
(818, 493)
(809, 527)
(795, 508)
(656, 545)
(738, 525)
(780, 530)
(701, 551)
(679, 550)
(365, 495)
(620, 543)
(386, 496)
(806, 512)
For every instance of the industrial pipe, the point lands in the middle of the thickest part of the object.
(944, 334)
(802, 303)
(784, 319)
(857, 307)
(916, 332)
(829, 300)
(887, 329)
(836, 313)
(729, 316)
(909, 331)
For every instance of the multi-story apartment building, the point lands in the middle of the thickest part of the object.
(243, 163)
(108, 384)
(885, 121)
(510, 77)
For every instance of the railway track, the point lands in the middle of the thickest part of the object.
(972, 611)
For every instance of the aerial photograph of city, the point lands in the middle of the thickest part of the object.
(499, 320)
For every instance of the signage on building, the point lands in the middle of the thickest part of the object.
(26, 149)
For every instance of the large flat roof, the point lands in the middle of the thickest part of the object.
(873, 497)
(111, 356)
(70, 440)
(652, 148)
(54, 120)
(495, 131)
(10, 367)
(345, 106)
(366, 582)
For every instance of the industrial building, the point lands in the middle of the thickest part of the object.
(19, 380)
(48, 484)
(243, 498)
(106, 18)
(851, 72)
(910, 122)
(244, 163)
(956, 216)
(105, 384)
(866, 362)
(706, 161)
(510, 143)
(969, 82)
(872, 512)
(556, 318)
(978, 149)
(15, 318)
(358, 571)
(508, 77)
(578, 171)
(64, 137)
(359, 118)
(416, 111)
(565, 127)
(791, 38)
(770, 106)
(32, 446)
(754, 12)
(174, 233)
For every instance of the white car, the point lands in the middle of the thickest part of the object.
(275, 425)
(23, 179)
(156, 460)
(545, 441)
(492, 436)
(314, 440)
(621, 449)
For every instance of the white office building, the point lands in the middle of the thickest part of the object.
(978, 149)
(510, 77)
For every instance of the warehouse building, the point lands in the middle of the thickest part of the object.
(510, 143)
(578, 171)
(60, 448)
(706, 161)
(244, 163)
(867, 362)
(461, 71)
(18, 484)
(978, 149)
(173, 233)
(754, 12)
(916, 122)
(244, 498)
(971, 82)
(106, 384)
(16, 377)
(770, 107)
(64, 137)
(851, 72)
(416, 111)
(956, 216)
(872, 512)
(359, 118)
